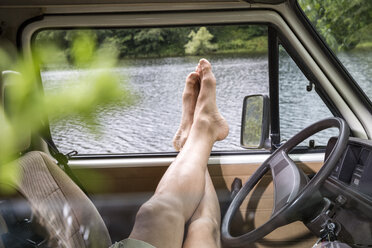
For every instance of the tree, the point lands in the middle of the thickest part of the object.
(200, 42)
(149, 40)
(342, 23)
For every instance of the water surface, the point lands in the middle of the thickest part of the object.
(149, 125)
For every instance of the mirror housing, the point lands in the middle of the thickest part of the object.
(255, 122)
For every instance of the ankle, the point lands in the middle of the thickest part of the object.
(204, 126)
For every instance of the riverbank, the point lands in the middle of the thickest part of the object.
(365, 46)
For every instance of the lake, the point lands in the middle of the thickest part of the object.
(149, 125)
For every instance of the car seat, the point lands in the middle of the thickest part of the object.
(59, 205)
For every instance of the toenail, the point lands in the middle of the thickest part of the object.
(193, 75)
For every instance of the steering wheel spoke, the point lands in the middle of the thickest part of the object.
(288, 180)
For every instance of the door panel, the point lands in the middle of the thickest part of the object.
(257, 207)
(118, 192)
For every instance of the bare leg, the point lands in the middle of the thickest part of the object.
(204, 227)
(161, 220)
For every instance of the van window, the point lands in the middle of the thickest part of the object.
(299, 107)
(346, 26)
(154, 63)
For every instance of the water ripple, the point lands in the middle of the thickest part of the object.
(149, 125)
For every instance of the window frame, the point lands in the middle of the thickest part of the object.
(277, 38)
(137, 20)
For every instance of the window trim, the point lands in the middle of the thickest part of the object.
(119, 161)
(155, 19)
(273, 63)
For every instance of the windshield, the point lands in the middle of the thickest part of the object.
(346, 26)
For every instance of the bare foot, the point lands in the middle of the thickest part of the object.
(189, 96)
(206, 111)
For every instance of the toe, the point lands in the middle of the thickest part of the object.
(192, 78)
(206, 74)
(190, 92)
(205, 65)
(191, 86)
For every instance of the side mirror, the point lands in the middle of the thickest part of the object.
(255, 122)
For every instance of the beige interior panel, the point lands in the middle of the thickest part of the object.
(135, 185)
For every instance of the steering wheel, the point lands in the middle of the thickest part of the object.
(293, 189)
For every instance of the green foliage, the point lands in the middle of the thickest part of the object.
(224, 34)
(148, 40)
(163, 42)
(254, 45)
(343, 24)
(28, 108)
(200, 42)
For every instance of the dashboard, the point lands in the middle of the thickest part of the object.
(349, 190)
(354, 169)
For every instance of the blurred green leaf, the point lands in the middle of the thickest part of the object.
(27, 107)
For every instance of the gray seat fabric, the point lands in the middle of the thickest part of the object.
(60, 206)
(58, 203)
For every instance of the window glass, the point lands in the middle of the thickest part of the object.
(346, 26)
(299, 108)
(154, 63)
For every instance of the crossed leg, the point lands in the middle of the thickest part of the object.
(204, 227)
(182, 189)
